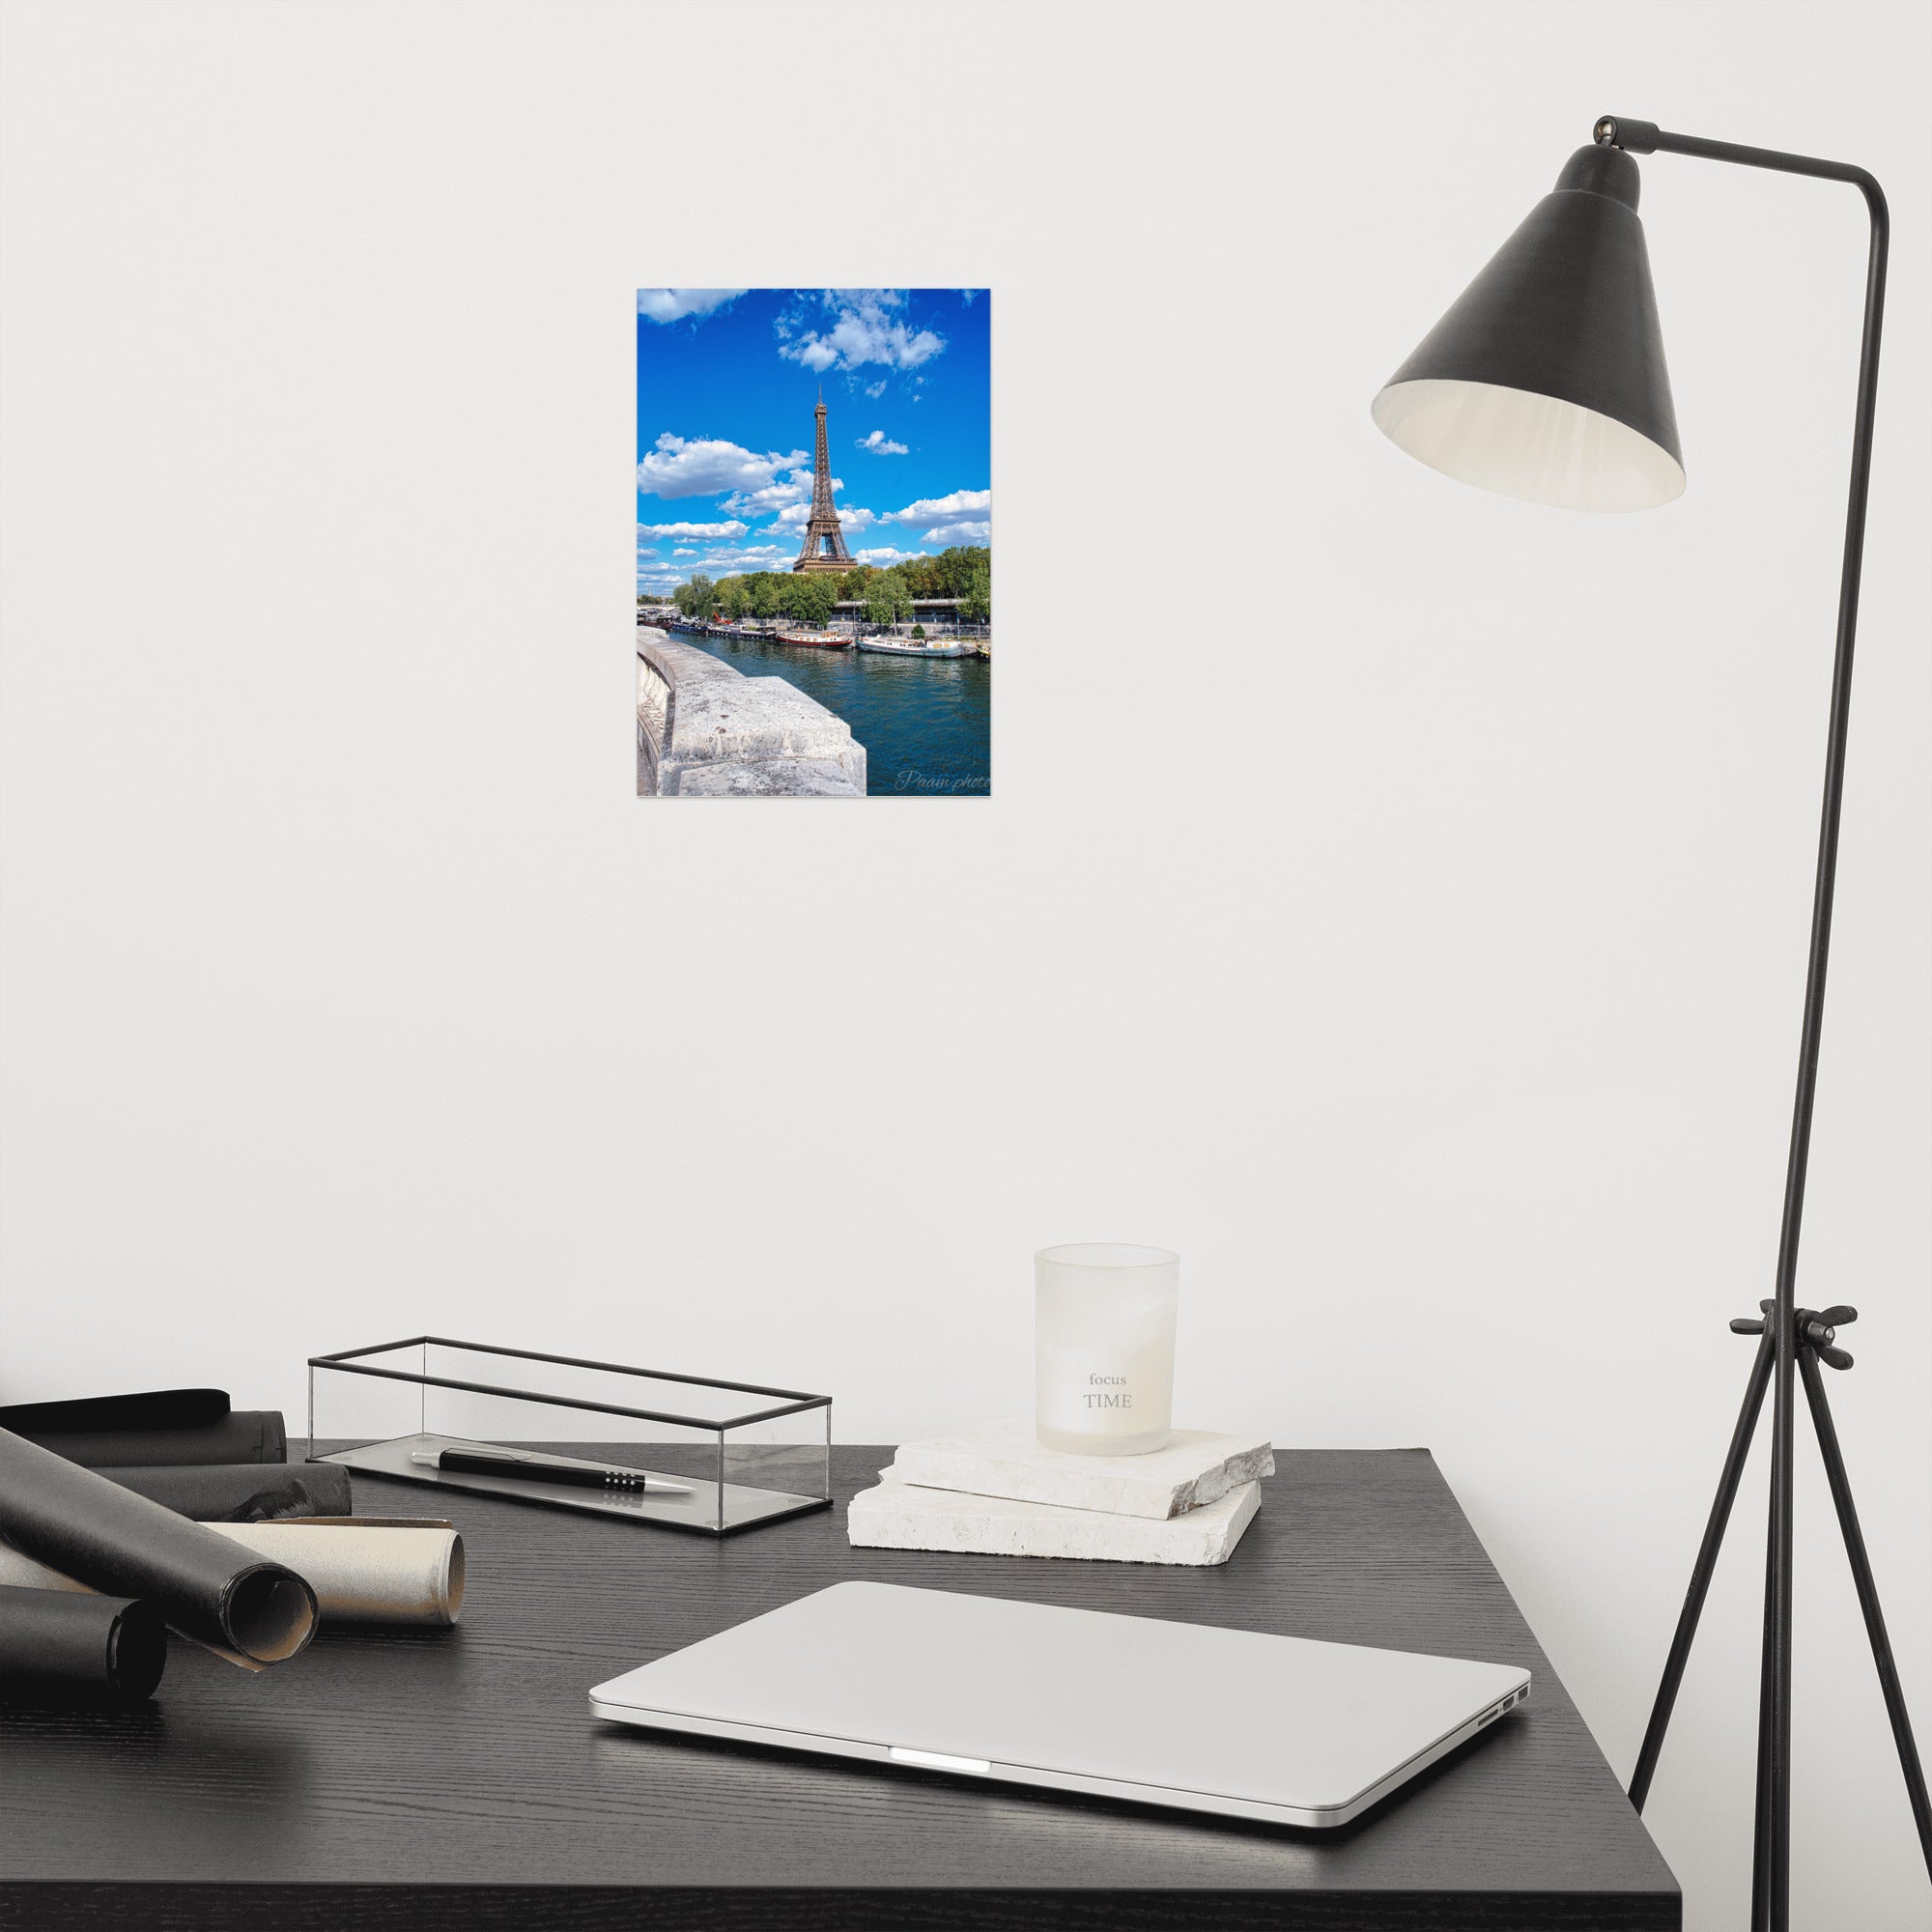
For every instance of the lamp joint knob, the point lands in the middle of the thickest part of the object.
(1619, 130)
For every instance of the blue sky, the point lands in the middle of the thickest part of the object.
(726, 383)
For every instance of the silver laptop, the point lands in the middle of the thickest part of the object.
(1231, 1722)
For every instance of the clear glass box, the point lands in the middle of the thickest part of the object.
(741, 1454)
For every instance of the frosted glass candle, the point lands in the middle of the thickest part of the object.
(1103, 1348)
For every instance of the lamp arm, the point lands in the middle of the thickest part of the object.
(1645, 137)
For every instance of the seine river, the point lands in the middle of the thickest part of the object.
(926, 726)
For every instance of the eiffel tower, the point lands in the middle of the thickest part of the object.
(824, 548)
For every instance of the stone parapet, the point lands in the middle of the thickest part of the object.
(705, 730)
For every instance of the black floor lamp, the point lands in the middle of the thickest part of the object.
(1547, 382)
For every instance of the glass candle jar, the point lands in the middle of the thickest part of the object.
(1103, 1347)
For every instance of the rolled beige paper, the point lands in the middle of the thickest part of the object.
(366, 1569)
(363, 1570)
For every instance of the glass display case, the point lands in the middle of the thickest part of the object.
(643, 1445)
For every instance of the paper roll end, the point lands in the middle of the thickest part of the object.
(137, 1651)
(269, 1613)
(452, 1590)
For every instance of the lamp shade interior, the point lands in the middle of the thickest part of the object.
(1539, 448)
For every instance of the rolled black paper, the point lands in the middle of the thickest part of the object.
(123, 1544)
(242, 1436)
(242, 1491)
(60, 1644)
(151, 1408)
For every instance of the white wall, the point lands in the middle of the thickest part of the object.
(1419, 954)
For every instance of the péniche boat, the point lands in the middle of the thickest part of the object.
(907, 647)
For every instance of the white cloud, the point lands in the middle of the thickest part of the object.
(865, 332)
(736, 562)
(934, 510)
(684, 553)
(883, 556)
(674, 304)
(876, 389)
(731, 529)
(699, 467)
(851, 519)
(880, 444)
(776, 496)
(960, 533)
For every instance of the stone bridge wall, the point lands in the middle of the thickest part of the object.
(705, 730)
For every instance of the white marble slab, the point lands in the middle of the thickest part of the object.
(1006, 1459)
(899, 1515)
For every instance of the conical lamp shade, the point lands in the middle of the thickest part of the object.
(1546, 379)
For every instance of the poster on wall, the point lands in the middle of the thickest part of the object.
(815, 543)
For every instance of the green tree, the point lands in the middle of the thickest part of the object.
(811, 601)
(852, 586)
(952, 568)
(976, 600)
(768, 595)
(702, 590)
(886, 598)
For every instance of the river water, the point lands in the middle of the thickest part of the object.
(927, 724)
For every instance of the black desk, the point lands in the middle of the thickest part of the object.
(455, 1778)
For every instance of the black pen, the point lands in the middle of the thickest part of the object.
(544, 1470)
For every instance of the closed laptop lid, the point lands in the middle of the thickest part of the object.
(1275, 1721)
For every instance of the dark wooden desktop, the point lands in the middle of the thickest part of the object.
(456, 1779)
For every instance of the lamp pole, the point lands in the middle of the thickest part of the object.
(1772, 1877)
(1545, 381)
